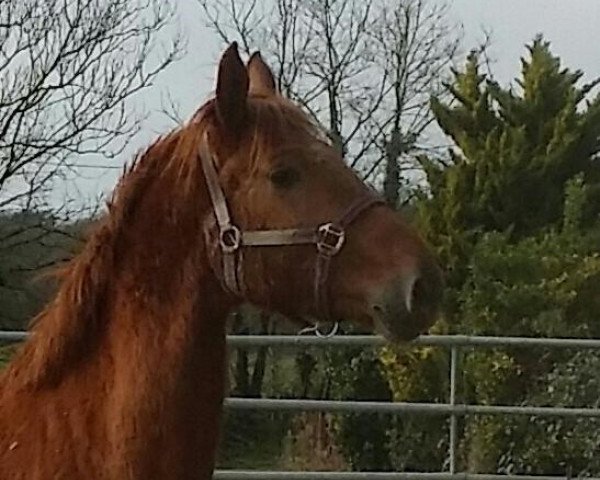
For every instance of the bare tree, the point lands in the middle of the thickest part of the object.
(419, 46)
(321, 54)
(365, 70)
(67, 71)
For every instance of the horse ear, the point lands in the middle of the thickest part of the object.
(262, 81)
(232, 90)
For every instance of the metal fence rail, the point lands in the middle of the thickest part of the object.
(427, 409)
(452, 409)
(12, 336)
(271, 475)
(255, 341)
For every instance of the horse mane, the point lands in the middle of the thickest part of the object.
(72, 323)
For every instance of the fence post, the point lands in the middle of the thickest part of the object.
(453, 417)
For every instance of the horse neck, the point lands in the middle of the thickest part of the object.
(171, 325)
(166, 341)
(168, 377)
(162, 331)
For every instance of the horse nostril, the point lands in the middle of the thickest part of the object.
(416, 295)
(378, 308)
(424, 291)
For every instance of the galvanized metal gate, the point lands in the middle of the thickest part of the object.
(451, 409)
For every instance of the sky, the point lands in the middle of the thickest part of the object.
(572, 26)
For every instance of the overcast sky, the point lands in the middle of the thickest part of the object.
(573, 27)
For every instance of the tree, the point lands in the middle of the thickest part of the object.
(69, 71)
(32, 241)
(365, 70)
(544, 285)
(514, 152)
(513, 213)
(418, 47)
(319, 51)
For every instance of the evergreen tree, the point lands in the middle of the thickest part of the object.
(514, 152)
(513, 214)
(543, 285)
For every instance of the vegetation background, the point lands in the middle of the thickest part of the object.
(503, 181)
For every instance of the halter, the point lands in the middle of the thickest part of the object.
(328, 237)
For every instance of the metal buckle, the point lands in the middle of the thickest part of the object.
(230, 238)
(330, 239)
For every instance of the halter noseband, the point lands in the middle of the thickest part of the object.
(328, 238)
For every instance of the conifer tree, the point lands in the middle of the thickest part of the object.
(515, 149)
(514, 215)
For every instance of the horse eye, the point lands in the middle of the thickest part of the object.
(285, 177)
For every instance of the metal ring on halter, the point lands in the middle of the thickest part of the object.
(315, 329)
(230, 238)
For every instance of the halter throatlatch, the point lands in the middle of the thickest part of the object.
(329, 238)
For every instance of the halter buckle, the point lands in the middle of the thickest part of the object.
(330, 239)
(230, 238)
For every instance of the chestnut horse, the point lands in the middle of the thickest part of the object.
(123, 376)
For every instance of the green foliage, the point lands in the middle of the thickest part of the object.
(6, 352)
(541, 286)
(416, 443)
(253, 440)
(536, 287)
(513, 216)
(362, 438)
(515, 150)
(30, 242)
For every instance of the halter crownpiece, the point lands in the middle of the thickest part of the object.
(329, 238)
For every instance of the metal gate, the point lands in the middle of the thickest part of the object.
(451, 409)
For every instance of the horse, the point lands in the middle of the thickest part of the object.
(123, 376)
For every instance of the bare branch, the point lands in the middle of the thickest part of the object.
(69, 73)
(364, 70)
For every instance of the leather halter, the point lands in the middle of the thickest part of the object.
(328, 238)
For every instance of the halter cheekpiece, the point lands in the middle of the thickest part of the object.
(329, 238)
